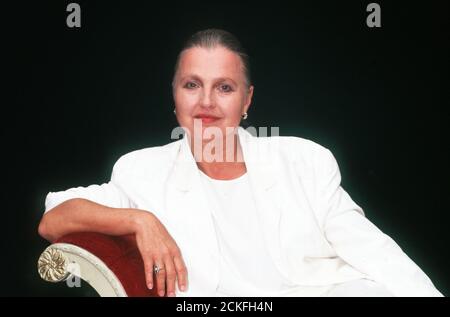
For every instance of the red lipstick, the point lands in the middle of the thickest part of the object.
(207, 118)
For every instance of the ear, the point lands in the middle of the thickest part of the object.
(248, 101)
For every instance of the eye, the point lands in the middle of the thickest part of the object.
(225, 88)
(190, 85)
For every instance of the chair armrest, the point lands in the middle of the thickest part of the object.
(112, 265)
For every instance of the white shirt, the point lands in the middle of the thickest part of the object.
(246, 268)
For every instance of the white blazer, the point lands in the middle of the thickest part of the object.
(315, 233)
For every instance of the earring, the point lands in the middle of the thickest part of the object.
(174, 111)
(245, 115)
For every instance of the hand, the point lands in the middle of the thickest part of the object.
(157, 247)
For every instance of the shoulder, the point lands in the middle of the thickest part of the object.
(309, 156)
(304, 157)
(145, 160)
(296, 149)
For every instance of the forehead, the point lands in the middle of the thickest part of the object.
(210, 63)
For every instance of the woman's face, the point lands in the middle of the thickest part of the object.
(210, 87)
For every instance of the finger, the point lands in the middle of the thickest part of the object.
(161, 278)
(148, 266)
(171, 276)
(181, 270)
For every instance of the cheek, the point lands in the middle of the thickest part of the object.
(185, 100)
(232, 105)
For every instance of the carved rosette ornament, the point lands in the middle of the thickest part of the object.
(52, 265)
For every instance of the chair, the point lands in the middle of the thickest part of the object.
(112, 265)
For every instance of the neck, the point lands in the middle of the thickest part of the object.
(220, 162)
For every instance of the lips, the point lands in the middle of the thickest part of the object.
(206, 118)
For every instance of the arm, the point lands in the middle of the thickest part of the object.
(82, 215)
(153, 241)
(361, 244)
(101, 208)
(106, 209)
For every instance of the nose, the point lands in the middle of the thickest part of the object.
(206, 99)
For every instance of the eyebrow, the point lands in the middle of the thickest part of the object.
(196, 77)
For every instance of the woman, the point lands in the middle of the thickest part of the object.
(240, 215)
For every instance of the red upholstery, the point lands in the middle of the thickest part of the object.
(120, 254)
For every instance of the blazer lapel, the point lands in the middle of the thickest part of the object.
(190, 219)
(260, 163)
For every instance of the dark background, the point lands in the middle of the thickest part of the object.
(377, 98)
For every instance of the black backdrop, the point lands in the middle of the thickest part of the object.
(377, 98)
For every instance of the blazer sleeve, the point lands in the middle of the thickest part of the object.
(361, 244)
(109, 194)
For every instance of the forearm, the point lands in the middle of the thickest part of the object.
(364, 246)
(81, 215)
